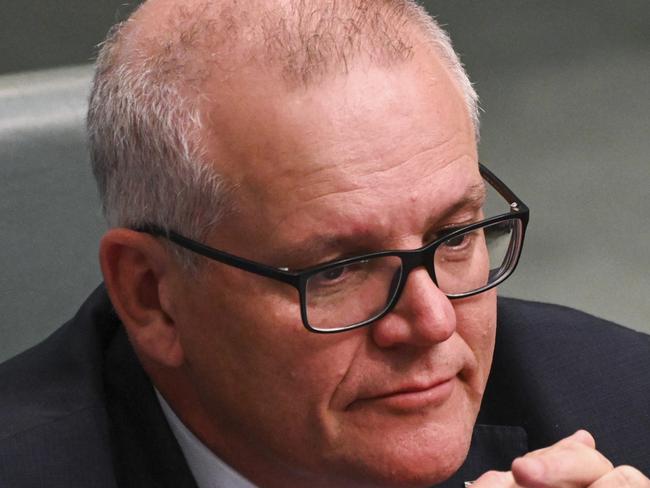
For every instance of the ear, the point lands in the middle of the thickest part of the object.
(139, 275)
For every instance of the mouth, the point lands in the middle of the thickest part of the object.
(411, 398)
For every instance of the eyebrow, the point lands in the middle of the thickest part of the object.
(354, 243)
(473, 198)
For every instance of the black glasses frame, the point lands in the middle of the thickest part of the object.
(411, 259)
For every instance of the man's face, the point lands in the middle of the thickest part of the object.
(373, 160)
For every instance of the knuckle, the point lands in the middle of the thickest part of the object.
(568, 444)
(493, 476)
(574, 445)
(625, 476)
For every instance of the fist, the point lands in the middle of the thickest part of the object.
(573, 462)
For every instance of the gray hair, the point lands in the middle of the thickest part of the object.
(144, 119)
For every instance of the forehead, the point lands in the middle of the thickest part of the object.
(372, 142)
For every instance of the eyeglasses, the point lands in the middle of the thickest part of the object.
(349, 293)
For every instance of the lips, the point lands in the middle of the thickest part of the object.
(412, 396)
(412, 389)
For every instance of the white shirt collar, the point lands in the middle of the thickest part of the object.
(209, 471)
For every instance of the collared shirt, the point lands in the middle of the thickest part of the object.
(209, 471)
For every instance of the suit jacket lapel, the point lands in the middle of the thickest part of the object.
(145, 451)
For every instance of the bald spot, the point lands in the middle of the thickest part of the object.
(297, 41)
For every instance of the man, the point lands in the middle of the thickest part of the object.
(255, 163)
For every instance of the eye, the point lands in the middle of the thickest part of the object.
(457, 241)
(331, 274)
(460, 246)
(340, 274)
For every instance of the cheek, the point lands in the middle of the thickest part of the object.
(252, 360)
(244, 336)
(476, 324)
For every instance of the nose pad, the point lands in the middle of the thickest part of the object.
(428, 264)
(423, 315)
(424, 260)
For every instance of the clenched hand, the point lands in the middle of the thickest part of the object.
(573, 462)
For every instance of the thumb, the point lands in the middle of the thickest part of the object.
(571, 462)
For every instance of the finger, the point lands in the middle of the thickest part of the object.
(495, 479)
(583, 437)
(571, 463)
(622, 477)
(580, 436)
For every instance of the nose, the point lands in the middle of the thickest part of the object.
(423, 316)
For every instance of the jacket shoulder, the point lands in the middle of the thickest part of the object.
(531, 315)
(557, 370)
(51, 404)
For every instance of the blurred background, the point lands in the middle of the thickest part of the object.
(565, 90)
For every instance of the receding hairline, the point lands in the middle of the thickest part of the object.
(146, 113)
(301, 40)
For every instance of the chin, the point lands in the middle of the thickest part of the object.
(380, 447)
(413, 472)
(412, 458)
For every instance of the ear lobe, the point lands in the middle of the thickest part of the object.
(137, 271)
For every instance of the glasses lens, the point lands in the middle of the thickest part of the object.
(348, 294)
(477, 259)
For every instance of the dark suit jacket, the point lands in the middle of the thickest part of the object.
(78, 410)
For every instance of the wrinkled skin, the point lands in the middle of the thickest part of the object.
(572, 462)
(380, 156)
